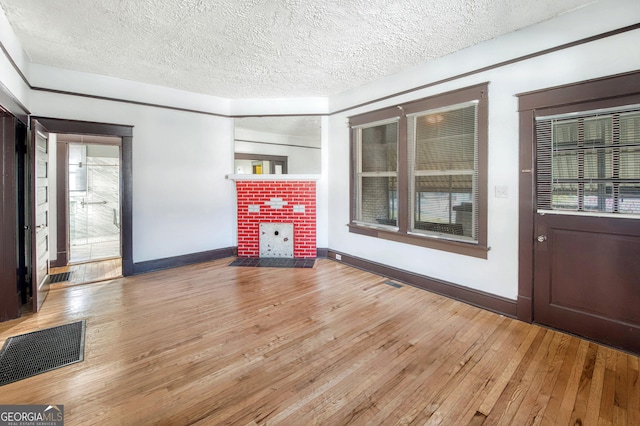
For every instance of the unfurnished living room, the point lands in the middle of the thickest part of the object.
(283, 212)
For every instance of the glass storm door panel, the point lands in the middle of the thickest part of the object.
(94, 202)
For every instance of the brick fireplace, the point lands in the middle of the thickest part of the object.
(276, 199)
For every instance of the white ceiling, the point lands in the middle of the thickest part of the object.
(261, 48)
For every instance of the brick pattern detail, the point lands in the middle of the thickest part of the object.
(261, 192)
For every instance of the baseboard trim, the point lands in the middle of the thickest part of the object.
(322, 253)
(477, 298)
(183, 260)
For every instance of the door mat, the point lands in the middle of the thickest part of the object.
(61, 277)
(267, 262)
(40, 351)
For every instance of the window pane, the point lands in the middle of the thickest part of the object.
(446, 140)
(598, 197)
(630, 199)
(444, 205)
(589, 163)
(630, 162)
(379, 200)
(597, 164)
(565, 196)
(445, 172)
(379, 147)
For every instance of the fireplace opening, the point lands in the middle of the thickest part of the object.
(276, 240)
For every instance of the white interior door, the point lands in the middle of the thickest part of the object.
(40, 214)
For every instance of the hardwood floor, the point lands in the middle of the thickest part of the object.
(90, 272)
(211, 344)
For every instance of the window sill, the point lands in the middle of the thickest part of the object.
(466, 249)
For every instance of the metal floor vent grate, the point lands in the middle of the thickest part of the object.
(392, 284)
(61, 277)
(33, 353)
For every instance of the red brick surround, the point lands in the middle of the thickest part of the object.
(297, 206)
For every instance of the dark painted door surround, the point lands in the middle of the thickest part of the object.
(125, 133)
(578, 273)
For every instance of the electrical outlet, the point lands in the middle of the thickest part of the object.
(338, 256)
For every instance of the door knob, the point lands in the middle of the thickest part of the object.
(542, 238)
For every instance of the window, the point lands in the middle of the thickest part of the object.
(590, 162)
(377, 174)
(419, 172)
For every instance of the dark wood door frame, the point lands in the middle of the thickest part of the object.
(13, 134)
(126, 182)
(617, 90)
(9, 291)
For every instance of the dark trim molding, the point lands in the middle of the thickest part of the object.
(473, 297)
(14, 65)
(62, 210)
(373, 101)
(9, 293)
(183, 260)
(12, 105)
(55, 125)
(278, 144)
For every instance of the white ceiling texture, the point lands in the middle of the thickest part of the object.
(261, 48)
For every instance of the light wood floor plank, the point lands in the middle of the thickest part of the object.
(211, 344)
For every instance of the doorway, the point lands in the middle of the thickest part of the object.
(110, 253)
(89, 213)
(580, 209)
(93, 198)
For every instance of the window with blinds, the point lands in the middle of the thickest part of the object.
(444, 171)
(589, 162)
(377, 174)
(419, 172)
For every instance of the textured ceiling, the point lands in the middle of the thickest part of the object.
(261, 48)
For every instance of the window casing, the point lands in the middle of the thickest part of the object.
(377, 174)
(419, 172)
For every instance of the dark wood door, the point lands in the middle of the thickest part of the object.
(39, 149)
(587, 277)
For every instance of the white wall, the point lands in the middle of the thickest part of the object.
(498, 273)
(182, 202)
(8, 75)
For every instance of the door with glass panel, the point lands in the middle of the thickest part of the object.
(587, 224)
(94, 202)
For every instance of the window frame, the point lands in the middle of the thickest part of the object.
(402, 232)
(359, 174)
